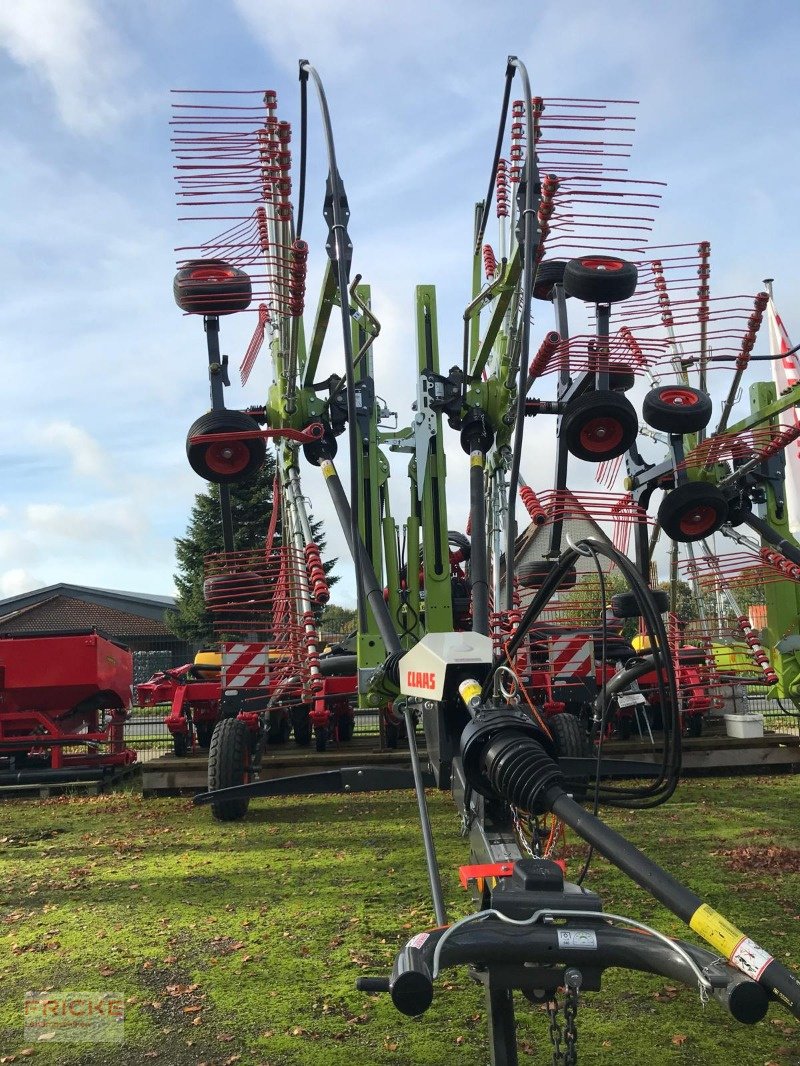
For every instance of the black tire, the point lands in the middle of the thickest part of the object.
(392, 735)
(692, 511)
(278, 732)
(533, 575)
(739, 510)
(346, 726)
(302, 730)
(204, 731)
(228, 766)
(236, 600)
(211, 287)
(625, 604)
(460, 541)
(572, 742)
(180, 745)
(600, 279)
(677, 409)
(625, 727)
(225, 462)
(620, 377)
(550, 272)
(694, 725)
(321, 737)
(692, 657)
(599, 426)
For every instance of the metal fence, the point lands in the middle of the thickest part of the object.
(165, 653)
(145, 730)
(780, 716)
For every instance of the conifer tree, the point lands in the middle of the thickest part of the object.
(251, 509)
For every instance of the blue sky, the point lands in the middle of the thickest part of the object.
(103, 375)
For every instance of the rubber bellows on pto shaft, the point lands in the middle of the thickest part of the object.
(522, 773)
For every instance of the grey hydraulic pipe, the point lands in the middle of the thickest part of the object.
(528, 230)
(479, 575)
(365, 571)
(339, 251)
(216, 381)
(773, 537)
(425, 823)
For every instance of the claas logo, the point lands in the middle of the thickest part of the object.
(419, 679)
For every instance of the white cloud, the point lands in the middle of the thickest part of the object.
(69, 46)
(16, 546)
(15, 582)
(315, 29)
(114, 521)
(87, 457)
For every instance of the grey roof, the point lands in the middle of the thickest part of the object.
(131, 602)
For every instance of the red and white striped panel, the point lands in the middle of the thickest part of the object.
(571, 657)
(245, 665)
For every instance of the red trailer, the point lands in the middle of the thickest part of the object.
(64, 700)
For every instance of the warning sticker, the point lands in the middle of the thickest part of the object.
(716, 929)
(750, 958)
(418, 940)
(583, 939)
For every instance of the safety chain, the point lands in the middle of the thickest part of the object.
(521, 837)
(568, 1033)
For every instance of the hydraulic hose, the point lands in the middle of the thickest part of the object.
(663, 786)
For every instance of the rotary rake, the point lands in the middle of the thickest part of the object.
(483, 676)
(233, 152)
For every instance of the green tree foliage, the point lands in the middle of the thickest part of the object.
(251, 509)
(336, 619)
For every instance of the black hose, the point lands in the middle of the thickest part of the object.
(664, 785)
(510, 68)
(301, 196)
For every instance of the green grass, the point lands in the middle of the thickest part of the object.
(245, 939)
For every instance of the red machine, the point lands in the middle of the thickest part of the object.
(564, 674)
(193, 691)
(64, 697)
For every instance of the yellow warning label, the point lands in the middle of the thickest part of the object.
(476, 458)
(327, 468)
(716, 929)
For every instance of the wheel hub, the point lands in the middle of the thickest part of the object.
(601, 434)
(228, 458)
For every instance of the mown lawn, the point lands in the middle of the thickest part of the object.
(241, 943)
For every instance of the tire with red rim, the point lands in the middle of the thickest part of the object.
(600, 279)
(225, 462)
(533, 575)
(228, 766)
(626, 605)
(211, 287)
(621, 377)
(237, 601)
(677, 409)
(692, 511)
(599, 426)
(572, 742)
(550, 272)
